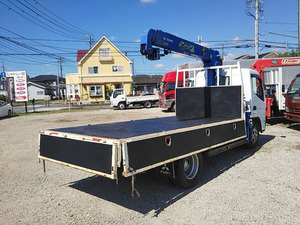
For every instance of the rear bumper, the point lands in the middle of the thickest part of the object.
(292, 116)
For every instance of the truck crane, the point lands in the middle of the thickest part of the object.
(169, 42)
(210, 119)
(273, 81)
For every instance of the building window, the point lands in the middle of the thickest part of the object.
(40, 93)
(95, 91)
(104, 52)
(93, 70)
(117, 69)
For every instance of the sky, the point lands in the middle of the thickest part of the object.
(35, 33)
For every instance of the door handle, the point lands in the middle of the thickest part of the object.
(254, 107)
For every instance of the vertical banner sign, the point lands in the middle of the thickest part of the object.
(17, 82)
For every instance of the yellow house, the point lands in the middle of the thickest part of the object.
(100, 70)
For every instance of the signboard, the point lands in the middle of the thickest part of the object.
(17, 86)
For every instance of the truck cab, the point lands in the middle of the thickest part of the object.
(118, 98)
(167, 90)
(292, 102)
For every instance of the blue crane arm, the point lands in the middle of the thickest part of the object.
(170, 42)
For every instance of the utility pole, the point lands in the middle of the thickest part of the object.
(57, 79)
(257, 4)
(256, 29)
(3, 68)
(90, 41)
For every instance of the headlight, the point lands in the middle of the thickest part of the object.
(287, 109)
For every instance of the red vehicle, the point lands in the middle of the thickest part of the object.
(167, 90)
(292, 100)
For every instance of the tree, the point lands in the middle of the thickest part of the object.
(289, 54)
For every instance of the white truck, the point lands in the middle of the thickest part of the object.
(209, 120)
(120, 100)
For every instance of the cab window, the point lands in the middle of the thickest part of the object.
(117, 93)
(257, 87)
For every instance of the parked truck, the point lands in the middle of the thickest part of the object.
(209, 120)
(292, 100)
(120, 100)
(167, 86)
(275, 81)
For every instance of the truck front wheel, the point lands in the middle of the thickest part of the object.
(147, 104)
(188, 171)
(253, 135)
(121, 106)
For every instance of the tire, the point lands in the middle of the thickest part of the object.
(147, 104)
(9, 113)
(188, 171)
(253, 135)
(172, 108)
(121, 106)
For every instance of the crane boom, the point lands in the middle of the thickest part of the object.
(170, 42)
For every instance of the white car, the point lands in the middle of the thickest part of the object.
(5, 109)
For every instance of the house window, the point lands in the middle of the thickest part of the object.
(93, 70)
(39, 92)
(95, 91)
(117, 69)
(104, 52)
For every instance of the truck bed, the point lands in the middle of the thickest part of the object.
(138, 128)
(136, 146)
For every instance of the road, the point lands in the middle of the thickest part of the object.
(240, 186)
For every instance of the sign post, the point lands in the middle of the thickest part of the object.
(16, 86)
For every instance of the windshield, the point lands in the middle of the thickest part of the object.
(117, 93)
(295, 86)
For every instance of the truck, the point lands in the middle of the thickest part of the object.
(209, 120)
(120, 100)
(167, 90)
(167, 86)
(275, 81)
(292, 100)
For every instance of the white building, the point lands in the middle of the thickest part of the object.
(36, 91)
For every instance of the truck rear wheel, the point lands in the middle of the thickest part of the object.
(121, 106)
(147, 104)
(188, 171)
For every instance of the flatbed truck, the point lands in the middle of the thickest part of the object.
(120, 100)
(209, 120)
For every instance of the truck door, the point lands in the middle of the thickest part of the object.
(258, 100)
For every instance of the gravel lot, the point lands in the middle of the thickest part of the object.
(241, 186)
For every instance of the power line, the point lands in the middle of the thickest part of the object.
(59, 17)
(45, 26)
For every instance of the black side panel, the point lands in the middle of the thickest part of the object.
(89, 155)
(190, 103)
(226, 101)
(148, 152)
(200, 102)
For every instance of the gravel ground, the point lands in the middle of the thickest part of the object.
(241, 186)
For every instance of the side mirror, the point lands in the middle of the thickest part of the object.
(283, 88)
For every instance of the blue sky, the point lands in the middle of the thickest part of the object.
(122, 21)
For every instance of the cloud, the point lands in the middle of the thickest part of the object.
(177, 56)
(147, 1)
(159, 65)
(112, 38)
(236, 39)
(230, 56)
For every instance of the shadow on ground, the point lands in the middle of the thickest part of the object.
(157, 193)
